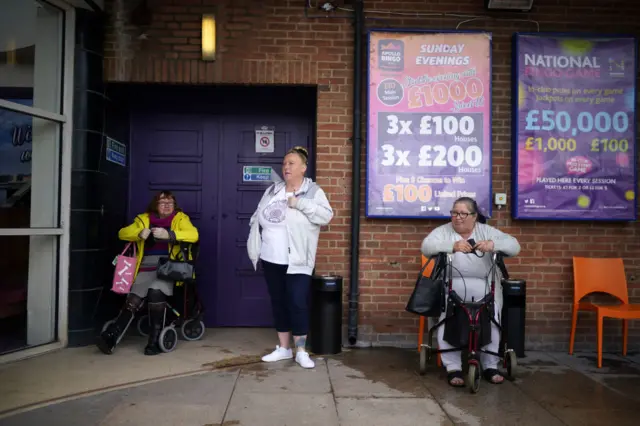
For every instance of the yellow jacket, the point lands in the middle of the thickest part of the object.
(180, 225)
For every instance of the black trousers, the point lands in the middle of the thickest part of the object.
(289, 298)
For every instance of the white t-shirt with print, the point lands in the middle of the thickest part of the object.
(275, 239)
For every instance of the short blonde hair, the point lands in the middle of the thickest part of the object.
(301, 151)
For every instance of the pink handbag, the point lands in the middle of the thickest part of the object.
(125, 268)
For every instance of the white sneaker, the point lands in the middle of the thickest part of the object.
(304, 360)
(278, 355)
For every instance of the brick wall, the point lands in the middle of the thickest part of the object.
(273, 42)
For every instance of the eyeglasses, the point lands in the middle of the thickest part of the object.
(166, 203)
(460, 214)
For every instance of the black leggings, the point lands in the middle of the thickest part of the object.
(156, 301)
(289, 298)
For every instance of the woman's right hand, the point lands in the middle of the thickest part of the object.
(462, 246)
(144, 234)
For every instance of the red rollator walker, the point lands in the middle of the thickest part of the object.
(476, 316)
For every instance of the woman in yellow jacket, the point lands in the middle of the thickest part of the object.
(153, 231)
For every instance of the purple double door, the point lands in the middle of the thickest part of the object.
(200, 158)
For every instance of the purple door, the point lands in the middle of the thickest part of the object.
(200, 158)
(241, 292)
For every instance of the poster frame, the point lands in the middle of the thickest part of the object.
(420, 31)
(515, 70)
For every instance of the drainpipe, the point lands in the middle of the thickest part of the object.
(355, 190)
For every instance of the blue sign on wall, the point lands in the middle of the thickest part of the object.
(116, 152)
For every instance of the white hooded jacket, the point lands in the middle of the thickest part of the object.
(303, 226)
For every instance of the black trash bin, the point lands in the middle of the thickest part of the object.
(325, 324)
(513, 314)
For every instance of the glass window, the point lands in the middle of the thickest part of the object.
(31, 36)
(27, 289)
(31, 83)
(29, 170)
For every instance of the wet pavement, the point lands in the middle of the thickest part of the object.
(364, 387)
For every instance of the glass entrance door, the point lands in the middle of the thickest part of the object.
(34, 188)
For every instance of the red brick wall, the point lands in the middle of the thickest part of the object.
(273, 42)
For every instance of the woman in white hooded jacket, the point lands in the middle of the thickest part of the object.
(284, 234)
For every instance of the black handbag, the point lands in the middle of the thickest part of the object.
(427, 298)
(177, 269)
(456, 326)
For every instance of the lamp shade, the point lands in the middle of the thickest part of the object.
(209, 37)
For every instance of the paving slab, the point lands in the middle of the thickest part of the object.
(619, 374)
(391, 411)
(75, 371)
(570, 389)
(204, 397)
(633, 357)
(588, 417)
(503, 404)
(162, 414)
(357, 387)
(284, 377)
(281, 409)
(353, 374)
(587, 362)
(574, 390)
(80, 412)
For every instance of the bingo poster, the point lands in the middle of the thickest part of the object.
(574, 127)
(429, 123)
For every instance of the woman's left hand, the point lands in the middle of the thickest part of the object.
(485, 246)
(292, 202)
(160, 233)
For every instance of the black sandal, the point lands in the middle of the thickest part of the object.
(455, 375)
(490, 373)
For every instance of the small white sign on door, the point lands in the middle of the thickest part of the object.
(265, 139)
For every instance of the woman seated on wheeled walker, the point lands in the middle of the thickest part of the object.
(163, 224)
(471, 274)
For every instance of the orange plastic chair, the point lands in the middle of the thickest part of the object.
(593, 275)
(427, 272)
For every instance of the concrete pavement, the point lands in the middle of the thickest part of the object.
(358, 387)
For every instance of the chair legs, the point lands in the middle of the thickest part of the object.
(600, 320)
(599, 328)
(574, 323)
(421, 333)
(625, 336)
(421, 328)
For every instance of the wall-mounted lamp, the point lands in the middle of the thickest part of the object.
(208, 37)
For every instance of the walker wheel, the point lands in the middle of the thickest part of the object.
(168, 339)
(512, 364)
(106, 325)
(423, 360)
(473, 378)
(192, 329)
(143, 325)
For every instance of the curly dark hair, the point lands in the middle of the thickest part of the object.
(153, 205)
